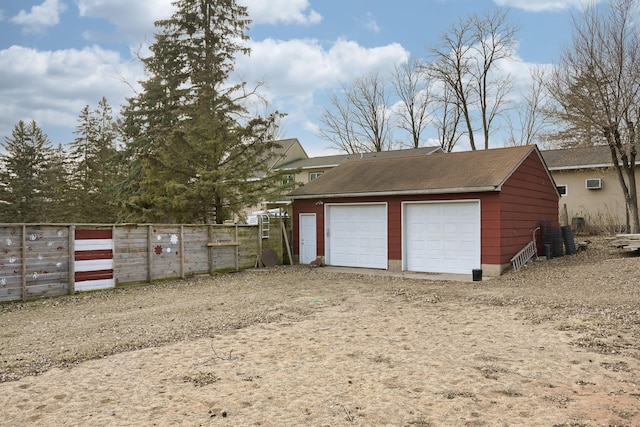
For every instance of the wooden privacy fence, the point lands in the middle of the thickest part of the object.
(43, 260)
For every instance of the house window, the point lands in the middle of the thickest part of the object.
(562, 189)
(288, 179)
(314, 175)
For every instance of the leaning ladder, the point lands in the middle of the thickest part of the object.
(264, 225)
(526, 253)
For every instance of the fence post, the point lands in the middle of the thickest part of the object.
(281, 235)
(113, 254)
(72, 259)
(150, 253)
(209, 250)
(259, 229)
(182, 273)
(237, 248)
(23, 290)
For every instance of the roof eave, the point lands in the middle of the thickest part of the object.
(308, 167)
(459, 190)
(576, 167)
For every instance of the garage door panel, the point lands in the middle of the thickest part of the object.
(442, 237)
(357, 235)
(451, 247)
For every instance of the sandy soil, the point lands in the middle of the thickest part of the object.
(553, 345)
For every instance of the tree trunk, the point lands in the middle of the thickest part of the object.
(629, 186)
(632, 199)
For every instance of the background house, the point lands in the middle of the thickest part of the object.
(286, 151)
(449, 213)
(289, 151)
(590, 191)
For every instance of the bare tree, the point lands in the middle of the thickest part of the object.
(264, 108)
(360, 121)
(598, 85)
(370, 101)
(447, 116)
(468, 59)
(496, 40)
(412, 86)
(531, 112)
(336, 126)
(451, 65)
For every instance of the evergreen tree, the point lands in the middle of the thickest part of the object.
(94, 172)
(58, 188)
(195, 155)
(26, 195)
(5, 193)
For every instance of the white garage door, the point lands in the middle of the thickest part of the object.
(442, 237)
(356, 235)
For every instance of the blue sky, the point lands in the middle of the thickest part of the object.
(56, 56)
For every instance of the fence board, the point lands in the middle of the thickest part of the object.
(131, 254)
(165, 262)
(195, 251)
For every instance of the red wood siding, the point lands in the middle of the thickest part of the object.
(83, 276)
(527, 198)
(488, 202)
(105, 233)
(308, 206)
(91, 255)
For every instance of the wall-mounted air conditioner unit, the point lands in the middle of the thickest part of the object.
(594, 183)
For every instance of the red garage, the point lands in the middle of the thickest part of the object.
(444, 213)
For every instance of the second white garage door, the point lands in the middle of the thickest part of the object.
(442, 237)
(356, 235)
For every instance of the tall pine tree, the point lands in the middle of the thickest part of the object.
(195, 153)
(58, 188)
(26, 195)
(95, 169)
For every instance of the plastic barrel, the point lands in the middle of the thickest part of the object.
(557, 243)
(569, 242)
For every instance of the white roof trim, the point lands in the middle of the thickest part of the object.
(580, 167)
(603, 165)
(459, 190)
(311, 167)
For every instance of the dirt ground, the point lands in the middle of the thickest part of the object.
(556, 344)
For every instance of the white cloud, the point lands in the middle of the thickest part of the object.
(297, 66)
(281, 11)
(371, 24)
(545, 5)
(133, 18)
(298, 73)
(52, 87)
(40, 16)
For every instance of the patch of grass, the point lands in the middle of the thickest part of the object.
(452, 394)
(509, 392)
(201, 379)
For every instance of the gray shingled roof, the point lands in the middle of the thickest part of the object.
(332, 161)
(469, 171)
(579, 157)
(597, 156)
